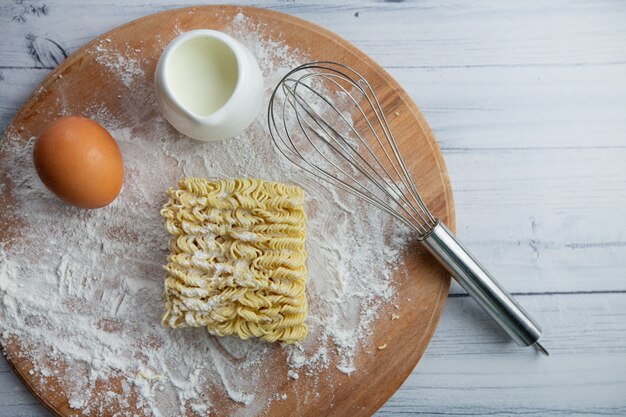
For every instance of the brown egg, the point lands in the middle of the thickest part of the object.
(79, 161)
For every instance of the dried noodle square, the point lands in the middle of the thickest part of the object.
(237, 259)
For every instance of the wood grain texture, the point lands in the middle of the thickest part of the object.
(527, 101)
(422, 284)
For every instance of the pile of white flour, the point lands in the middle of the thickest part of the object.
(84, 287)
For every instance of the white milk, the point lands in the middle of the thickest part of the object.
(208, 85)
(202, 74)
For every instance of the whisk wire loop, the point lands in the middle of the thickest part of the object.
(296, 157)
(353, 147)
(390, 186)
(344, 148)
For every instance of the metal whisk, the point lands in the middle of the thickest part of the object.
(325, 118)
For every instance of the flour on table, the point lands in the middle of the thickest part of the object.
(84, 287)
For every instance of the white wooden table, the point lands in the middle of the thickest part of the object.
(528, 102)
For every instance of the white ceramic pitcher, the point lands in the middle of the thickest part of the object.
(209, 86)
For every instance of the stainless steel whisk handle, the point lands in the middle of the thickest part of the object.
(479, 284)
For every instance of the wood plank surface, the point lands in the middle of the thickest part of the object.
(527, 101)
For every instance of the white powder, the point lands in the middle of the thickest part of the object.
(126, 64)
(84, 287)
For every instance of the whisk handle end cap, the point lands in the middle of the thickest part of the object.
(481, 286)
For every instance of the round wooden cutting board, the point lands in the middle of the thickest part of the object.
(421, 287)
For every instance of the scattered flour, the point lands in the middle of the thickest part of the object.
(83, 288)
(126, 64)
